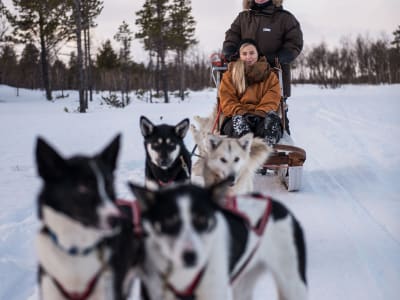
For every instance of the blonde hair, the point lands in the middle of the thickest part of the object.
(238, 76)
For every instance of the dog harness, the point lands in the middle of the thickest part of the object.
(257, 226)
(188, 293)
(171, 180)
(86, 293)
(136, 218)
(74, 251)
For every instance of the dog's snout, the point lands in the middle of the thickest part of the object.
(189, 258)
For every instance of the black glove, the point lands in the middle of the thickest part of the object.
(272, 128)
(230, 53)
(240, 126)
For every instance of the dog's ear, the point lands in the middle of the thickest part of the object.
(146, 126)
(110, 153)
(219, 189)
(245, 141)
(213, 141)
(182, 128)
(145, 197)
(50, 164)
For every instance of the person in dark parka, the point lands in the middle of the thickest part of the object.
(276, 31)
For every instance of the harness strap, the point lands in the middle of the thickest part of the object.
(136, 215)
(184, 167)
(73, 251)
(76, 295)
(188, 293)
(231, 205)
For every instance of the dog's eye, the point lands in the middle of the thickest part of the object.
(203, 223)
(236, 159)
(223, 160)
(170, 225)
(83, 189)
(172, 220)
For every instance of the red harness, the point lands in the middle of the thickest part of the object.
(76, 295)
(136, 215)
(188, 293)
(259, 229)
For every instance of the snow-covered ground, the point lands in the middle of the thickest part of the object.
(349, 205)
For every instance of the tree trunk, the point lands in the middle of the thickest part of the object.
(44, 61)
(78, 22)
(89, 69)
(182, 75)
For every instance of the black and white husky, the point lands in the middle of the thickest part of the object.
(85, 250)
(199, 246)
(167, 158)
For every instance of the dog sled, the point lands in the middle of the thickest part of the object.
(287, 160)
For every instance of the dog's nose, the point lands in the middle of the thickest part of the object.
(189, 258)
(231, 179)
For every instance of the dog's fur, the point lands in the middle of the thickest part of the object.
(221, 157)
(167, 158)
(190, 231)
(83, 239)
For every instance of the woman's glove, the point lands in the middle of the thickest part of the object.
(240, 126)
(272, 128)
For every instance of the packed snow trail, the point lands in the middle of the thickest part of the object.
(349, 205)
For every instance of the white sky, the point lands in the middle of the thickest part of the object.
(321, 20)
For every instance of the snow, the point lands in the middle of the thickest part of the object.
(349, 205)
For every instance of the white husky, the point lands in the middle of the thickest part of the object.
(221, 156)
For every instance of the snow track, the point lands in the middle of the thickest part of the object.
(349, 205)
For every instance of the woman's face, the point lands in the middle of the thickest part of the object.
(249, 54)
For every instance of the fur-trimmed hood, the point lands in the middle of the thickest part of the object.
(246, 3)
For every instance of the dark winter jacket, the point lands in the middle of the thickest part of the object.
(276, 31)
(261, 95)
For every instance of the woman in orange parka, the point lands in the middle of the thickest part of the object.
(250, 96)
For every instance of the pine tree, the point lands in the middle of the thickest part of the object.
(107, 58)
(8, 65)
(182, 31)
(40, 21)
(153, 30)
(124, 35)
(90, 10)
(396, 39)
(59, 76)
(29, 66)
(107, 63)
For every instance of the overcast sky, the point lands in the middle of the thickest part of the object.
(321, 20)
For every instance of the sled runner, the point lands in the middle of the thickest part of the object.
(287, 160)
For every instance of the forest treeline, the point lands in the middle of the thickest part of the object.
(166, 30)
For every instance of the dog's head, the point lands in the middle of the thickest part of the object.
(181, 221)
(163, 143)
(77, 192)
(227, 156)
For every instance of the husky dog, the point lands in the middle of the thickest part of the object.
(200, 249)
(221, 157)
(85, 249)
(167, 158)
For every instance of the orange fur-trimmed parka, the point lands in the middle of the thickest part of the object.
(262, 93)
